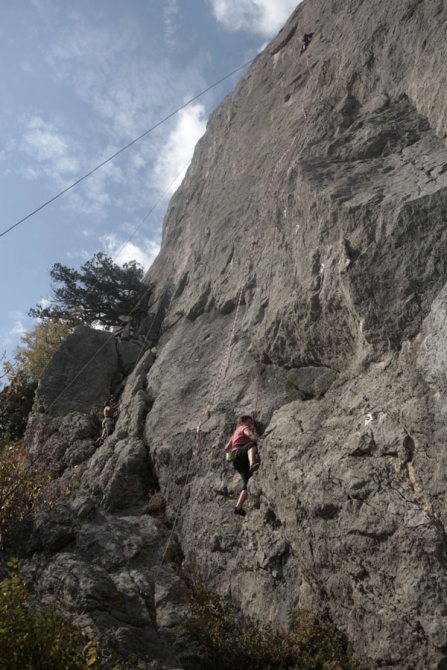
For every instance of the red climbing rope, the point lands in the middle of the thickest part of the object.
(230, 340)
(241, 293)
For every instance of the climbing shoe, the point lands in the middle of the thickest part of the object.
(240, 512)
(254, 467)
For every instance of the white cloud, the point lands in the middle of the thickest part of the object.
(145, 255)
(44, 7)
(46, 145)
(264, 17)
(63, 158)
(170, 12)
(179, 148)
(126, 89)
(107, 70)
(30, 173)
(99, 186)
(18, 328)
(12, 336)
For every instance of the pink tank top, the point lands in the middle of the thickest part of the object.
(239, 438)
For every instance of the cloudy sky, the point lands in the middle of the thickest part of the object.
(82, 79)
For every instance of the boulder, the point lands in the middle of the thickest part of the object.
(79, 375)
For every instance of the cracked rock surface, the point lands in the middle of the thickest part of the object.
(348, 510)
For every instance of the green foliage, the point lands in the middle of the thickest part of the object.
(101, 291)
(22, 484)
(30, 358)
(38, 346)
(16, 401)
(231, 641)
(317, 644)
(39, 639)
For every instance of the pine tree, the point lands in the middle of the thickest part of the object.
(100, 291)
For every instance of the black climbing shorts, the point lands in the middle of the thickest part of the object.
(241, 463)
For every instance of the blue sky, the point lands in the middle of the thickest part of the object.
(80, 80)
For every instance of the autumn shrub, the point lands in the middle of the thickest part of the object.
(22, 484)
(231, 641)
(38, 638)
(156, 504)
(317, 644)
(16, 401)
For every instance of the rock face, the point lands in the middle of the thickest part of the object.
(320, 189)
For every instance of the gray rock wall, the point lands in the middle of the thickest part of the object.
(348, 510)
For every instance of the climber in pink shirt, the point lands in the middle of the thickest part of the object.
(244, 454)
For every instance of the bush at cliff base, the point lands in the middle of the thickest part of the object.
(40, 639)
(231, 641)
(22, 484)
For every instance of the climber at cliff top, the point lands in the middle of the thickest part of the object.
(305, 41)
(244, 453)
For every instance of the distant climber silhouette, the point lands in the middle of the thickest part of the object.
(110, 413)
(243, 451)
(305, 42)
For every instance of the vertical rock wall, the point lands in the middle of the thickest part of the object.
(348, 510)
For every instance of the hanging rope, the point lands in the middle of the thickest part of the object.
(264, 339)
(230, 339)
(241, 293)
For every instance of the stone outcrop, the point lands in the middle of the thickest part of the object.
(348, 510)
(91, 545)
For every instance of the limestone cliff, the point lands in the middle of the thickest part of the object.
(348, 510)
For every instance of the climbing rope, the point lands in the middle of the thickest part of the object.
(272, 264)
(240, 295)
(230, 339)
(264, 338)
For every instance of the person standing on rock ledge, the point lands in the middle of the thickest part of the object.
(243, 451)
